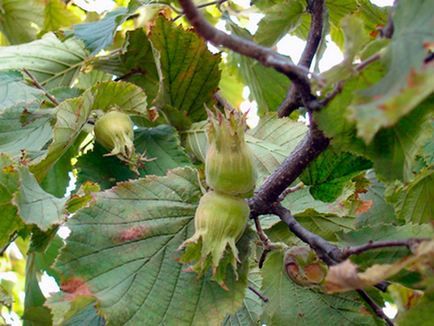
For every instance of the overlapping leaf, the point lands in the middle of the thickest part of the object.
(303, 306)
(278, 21)
(267, 87)
(191, 73)
(53, 62)
(406, 83)
(14, 90)
(380, 212)
(17, 17)
(14, 137)
(393, 150)
(329, 173)
(133, 231)
(99, 35)
(57, 15)
(415, 201)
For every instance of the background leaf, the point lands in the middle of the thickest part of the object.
(53, 62)
(16, 18)
(303, 306)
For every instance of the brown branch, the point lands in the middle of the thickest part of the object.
(218, 3)
(357, 250)
(39, 86)
(313, 144)
(293, 100)
(375, 307)
(267, 57)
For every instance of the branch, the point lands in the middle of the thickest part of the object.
(312, 145)
(267, 57)
(292, 100)
(259, 294)
(375, 307)
(357, 250)
(39, 86)
(329, 253)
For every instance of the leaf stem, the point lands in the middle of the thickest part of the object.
(39, 86)
(259, 294)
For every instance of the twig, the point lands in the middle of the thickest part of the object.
(357, 250)
(263, 257)
(131, 73)
(37, 85)
(292, 100)
(259, 294)
(375, 307)
(218, 3)
(290, 190)
(267, 57)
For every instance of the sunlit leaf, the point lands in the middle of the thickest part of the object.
(57, 15)
(339, 9)
(278, 21)
(183, 86)
(53, 62)
(16, 18)
(421, 314)
(136, 228)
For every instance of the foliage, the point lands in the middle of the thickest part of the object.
(368, 195)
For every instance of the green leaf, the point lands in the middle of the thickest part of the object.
(372, 15)
(394, 149)
(322, 224)
(14, 137)
(190, 71)
(278, 21)
(57, 15)
(407, 83)
(16, 18)
(35, 206)
(162, 143)
(99, 35)
(230, 88)
(416, 199)
(87, 316)
(53, 62)
(284, 132)
(82, 197)
(428, 149)
(14, 89)
(380, 212)
(140, 63)
(87, 80)
(248, 314)
(421, 314)
(339, 9)
(329, 173)
(133, 232)
(303, 306)
(267, 87)
(10, 221)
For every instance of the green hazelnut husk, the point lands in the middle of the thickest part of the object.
(229, 164)
(220, 221)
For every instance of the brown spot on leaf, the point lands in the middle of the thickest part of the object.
(75, 287)
(134, 232)
(364, 206)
